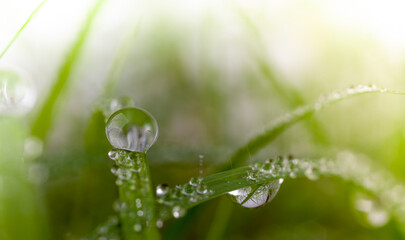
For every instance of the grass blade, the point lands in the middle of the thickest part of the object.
(285, 121)
(22, 28)
(44, 119)
(352, 168)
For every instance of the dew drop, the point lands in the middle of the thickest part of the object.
(159, 223)
(118, 182)
(114, 169)
(262, 194)
(267, 167)
(311, 174)
(119, 206)
(178, 212)
(162, 190)
(17, 93)
(140, 213)
(138, 203)
(137, 227)
(252, 176)
(188, 190)
(124, 174)
(132, 129)
(371, 211)
(194, 181)
(202, 188)
(113, 154)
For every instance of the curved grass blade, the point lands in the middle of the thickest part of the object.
(352, 168)
(22, 28)
(285, 121)
(224, 182)
(44, 119)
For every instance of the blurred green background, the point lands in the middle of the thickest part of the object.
(214, 74)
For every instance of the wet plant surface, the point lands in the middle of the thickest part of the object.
(218, 127)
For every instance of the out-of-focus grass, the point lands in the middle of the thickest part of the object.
(212, 82)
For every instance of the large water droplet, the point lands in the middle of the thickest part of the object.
(132, 129)
(255, 196)
(17, 93)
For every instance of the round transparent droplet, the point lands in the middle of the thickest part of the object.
(370, 212)
(202, 188)
(267, 167)
(311, 174)
(159, 223)
(137, 227)
(132, 129)
(194, 181)
(261, 195)
(162, 190)
(113, 154)
(178, 212)
(17, 92)
(188, 190)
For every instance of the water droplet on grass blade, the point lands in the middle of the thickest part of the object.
(132, 129)
(178, 212)
(162, 190)
(311, 174)
(137, 227)
(188, 190)
(159, 223)
(370, 211)
(17, 93)
(194, 181)
(113, 154)
(202, 188)
(255, 196)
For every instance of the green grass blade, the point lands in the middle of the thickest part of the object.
(219, 223)
(44, 119)
(22, 28)
(351, 168)
(285, 121)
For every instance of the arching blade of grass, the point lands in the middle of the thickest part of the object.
(287, 120)
(288, 94)
(349, 167)
(22, 28)
(44, 119)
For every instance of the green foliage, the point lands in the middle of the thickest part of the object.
(75, 199)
